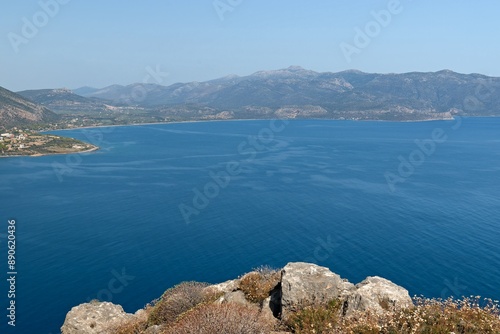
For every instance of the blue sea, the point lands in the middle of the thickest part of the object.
(417, 203)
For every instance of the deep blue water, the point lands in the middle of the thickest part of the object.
(306, 191)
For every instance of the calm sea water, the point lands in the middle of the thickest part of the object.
(112, 224)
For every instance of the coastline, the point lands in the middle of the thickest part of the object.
(174, 122)
(268, 119)
(96, 148)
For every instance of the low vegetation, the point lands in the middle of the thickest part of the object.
(195, 308)
(315, 319)
(429, 316)
(134, 326)
(258, 284)
(229, 318)
(179, 299)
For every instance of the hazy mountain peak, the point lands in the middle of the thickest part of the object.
(295, 68)
(446, 71)
(289, 71)
(353, 71)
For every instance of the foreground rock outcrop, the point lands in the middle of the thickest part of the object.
(94, 318)
(378, 295)
(301, 285)
(304, 284)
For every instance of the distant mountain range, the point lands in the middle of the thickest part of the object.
(16, 110)
(330, 95)
(292, 92)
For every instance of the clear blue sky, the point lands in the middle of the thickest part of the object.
(98, 43)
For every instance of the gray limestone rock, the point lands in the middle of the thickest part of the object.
(378, 295)
(94, 318)
(304, 284)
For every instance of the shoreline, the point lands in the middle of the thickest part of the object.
(174, 122)
(96, 148)
(268, 119)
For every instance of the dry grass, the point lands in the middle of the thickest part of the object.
(189, 308)
(136, 326)
(258, 284)
(229, 318)
(465, 316)
(179, 299)
(429, 316)
(315, 319)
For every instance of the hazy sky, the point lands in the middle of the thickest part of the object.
(73, 43)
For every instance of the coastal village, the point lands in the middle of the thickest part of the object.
(17, 142)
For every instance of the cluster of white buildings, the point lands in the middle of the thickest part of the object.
(6, 135)
(20, 137)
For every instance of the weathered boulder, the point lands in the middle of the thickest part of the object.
(377, 295)
(304, 284)
(94, 318)
(235, 297)
(225, 287)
